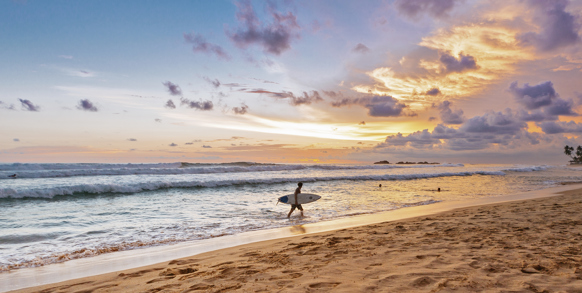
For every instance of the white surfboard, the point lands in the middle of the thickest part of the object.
(302, 198)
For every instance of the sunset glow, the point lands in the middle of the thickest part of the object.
(457, 81)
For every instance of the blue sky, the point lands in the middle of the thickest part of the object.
(289, 81)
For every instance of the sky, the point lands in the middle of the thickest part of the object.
(327, 81)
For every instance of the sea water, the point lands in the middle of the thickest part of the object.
(56, 212)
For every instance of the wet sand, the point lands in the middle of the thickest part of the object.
(532, 245)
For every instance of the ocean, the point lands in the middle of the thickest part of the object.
(52, 213)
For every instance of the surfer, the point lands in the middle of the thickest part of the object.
(296, 206)
(12, 176)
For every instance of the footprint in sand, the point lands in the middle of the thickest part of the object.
(175, 272)
(163, 288)
(324, 285)
(138, 273)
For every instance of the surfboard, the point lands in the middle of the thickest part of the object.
(302, 198)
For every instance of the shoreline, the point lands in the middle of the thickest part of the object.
(106, 265)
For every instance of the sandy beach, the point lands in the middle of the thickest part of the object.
(520, 246)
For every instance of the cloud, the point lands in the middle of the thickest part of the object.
(378, 106)
(542, 96)
(199, 44)
(86, 105)
(16, 139)
(501, 128)
(432, 118)
(243, 109)
(201, 105)
(384, 106)
(233, 84)
(76, 72)
(132, 139)
(160, 120)
(533, 97)
(66, 56)
(452, 64)
(558, 28)
(173, 145)
(206, 146)
(6, 106)
(494, 123)
(449, 116)
(274, 38)
(419, 139)
(362, 123)
(360, 48)
(215, 83)
(560, 107)
(552, 127)
(436, 8)
(433, 92)
(84, 73)
(29, 106)
(170, 105)
(173, 89)
(305, 99)
(535, 116)
(263, 81)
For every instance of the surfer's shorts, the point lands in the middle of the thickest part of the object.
(297, 206)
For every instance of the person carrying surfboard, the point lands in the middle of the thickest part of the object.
(294, 199)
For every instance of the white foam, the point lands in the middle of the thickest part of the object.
(50, 192)
(77, 170)
(528, 168)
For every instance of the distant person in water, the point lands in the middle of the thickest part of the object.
(294, 200)
(12, 176)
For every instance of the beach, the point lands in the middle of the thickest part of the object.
(519, 246)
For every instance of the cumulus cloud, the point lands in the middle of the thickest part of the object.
(199, 105)
(305, 99)
(206, 146)
(274, 38)
(243, 109)
(449, 116)
(159, 120)
(541, 97)
(452, 64)
(172, 88)
(16, 139)
(558, 28)
(173, 145)
(132, 139)
(361, 48)
(561, 107)
(533, 97)
(27, 105)
(436, 8)
(86, 105)
(479, 132)
(553, 127)
(378, 106)
(170, 105)
(215, 83)
(199, 44)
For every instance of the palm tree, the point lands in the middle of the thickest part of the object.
(568, 151)
(577, 157)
